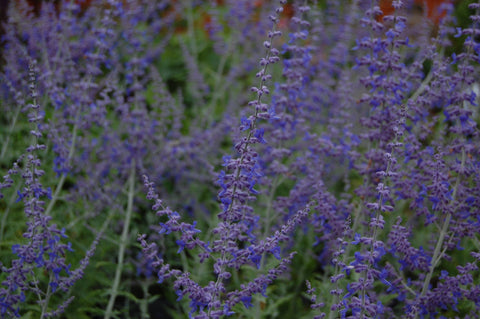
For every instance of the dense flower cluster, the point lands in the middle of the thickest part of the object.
(301, 158)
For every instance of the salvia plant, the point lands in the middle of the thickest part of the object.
(243, 159)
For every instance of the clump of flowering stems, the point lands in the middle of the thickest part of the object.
(40, 266)
(394, 97)
(364, 160)
(237, 222)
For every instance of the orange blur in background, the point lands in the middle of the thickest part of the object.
(432, 8)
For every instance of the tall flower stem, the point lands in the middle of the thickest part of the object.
(123, 243)
(341, 264)
(3, 223)
(10, 132)
(438, 252)
(2, 154)
(243, 150)
(191, 29)
(61, 181)
(48, 294)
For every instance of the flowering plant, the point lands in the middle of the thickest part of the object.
(245, 159)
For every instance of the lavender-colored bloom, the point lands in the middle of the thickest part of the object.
(43, 249)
